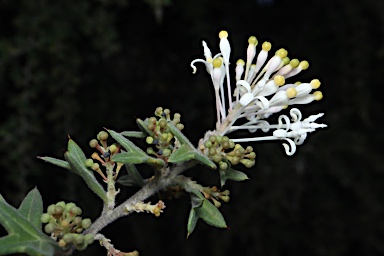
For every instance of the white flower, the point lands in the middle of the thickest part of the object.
(260, 91)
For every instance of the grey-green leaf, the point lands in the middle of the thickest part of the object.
(143, 126)
(188, 151)
(211, 215)
(134, 134)
(134, 150)
(23, 236)
(32, 207)
(192, 220)
(231, 174)
(78, 166)
(55, 161)
(76, 151)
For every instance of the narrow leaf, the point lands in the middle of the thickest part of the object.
(76, 151)
(192, 220)
(182, 154)
(32, 207)
(211, 215)
(133, 134)
(188, 149)
(132, 148)
(143, 126)
(129, 158)
(78, 166)
(55, 161)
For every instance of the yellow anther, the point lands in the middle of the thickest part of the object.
(304, 65)
(279, 80)
(315, 83)
(285, 106)
(285, 61)
(282, 53)
(240, 62)
(291, 92)
(223, 34)
(266, 46)
(217, 63)
(297, 83)
(252, 40)
(317, 95)
(294, 63)
(209, 60)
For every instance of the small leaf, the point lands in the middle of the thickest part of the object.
(231, 174)
(188, 151)
(134, 134)
(55, 161)
(79, 168)
(32, 207)
(182, 154)
(211, 215)
(192, 220)
(23, 236)
(143, 126)
(76, 151)
(196, 200)
(129, 158)
(134, 150)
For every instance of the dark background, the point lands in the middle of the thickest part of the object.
(71, 68)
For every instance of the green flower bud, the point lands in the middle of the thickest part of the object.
(225, 198)
(61, 203)
(89, 162)
(166, 152)
(176, 121)
(64, 223)
(225, 144)
(218, 138)
(216, 203)
(59, 210)
(77, 220)
(150, 151)
(51, 209)
(177, 115)
(103, 135)
(249, 149)
(45, 217)
(149, 140)
(69, 206)
(223, 165)
(152, 120)
(164, 137)
(231, 144)
(68, 238)
(158, 111)
(93, 143)
(212, 138)
(89, 238)
(150, 126)
(225, 192)
(78, 238)
(207, 144)
(180, 126)
(237, 152)
(167, 111)
(76, 210)
(95, 166)
(62, 243)
(212, 152)
(86, 223)
(163, 123)
(224, 139)
(217, 158)
(49, 228)
(113, 148)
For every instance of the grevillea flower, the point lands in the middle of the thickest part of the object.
(260, 90)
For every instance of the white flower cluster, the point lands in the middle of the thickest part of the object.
(260, 91)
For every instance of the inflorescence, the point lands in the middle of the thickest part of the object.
(261, 90)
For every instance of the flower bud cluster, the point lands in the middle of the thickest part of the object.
(64, 223)
(103, 157)
(217, 148)
(146, 207)
(214, 194)
(162, 138)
